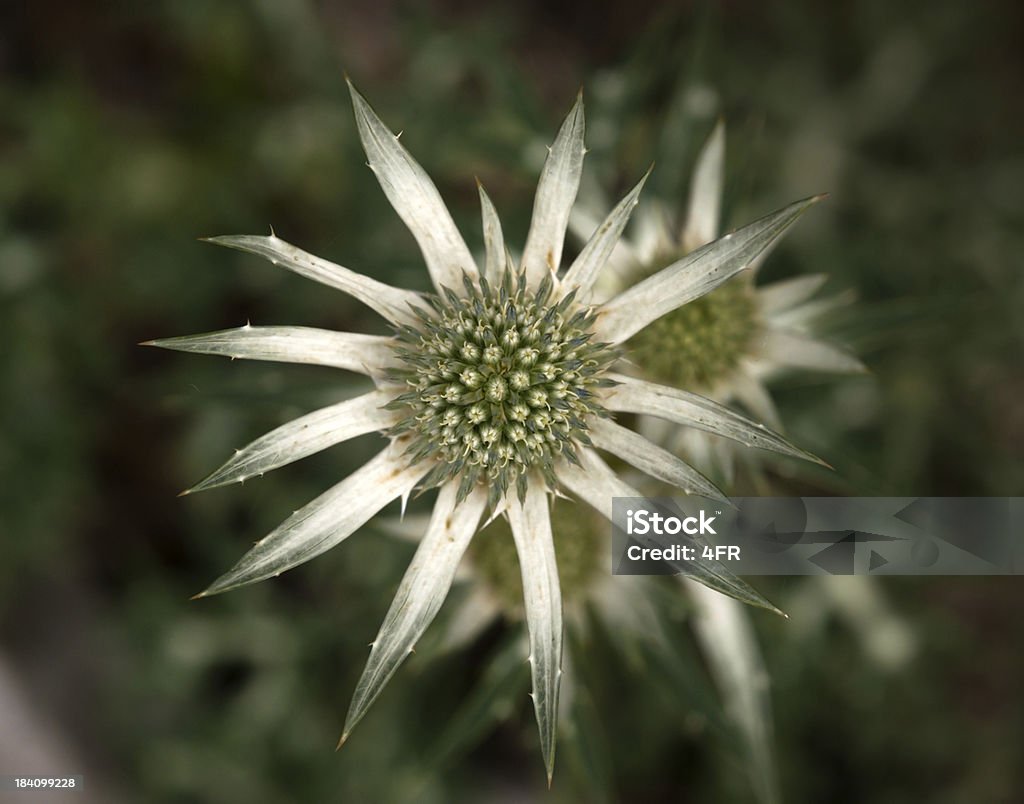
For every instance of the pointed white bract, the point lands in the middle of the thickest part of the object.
(583, 224)
(691, 277)
(704, 449)
(592, 259)
(682, 407)
(651, 231)
(787, 293)
(494, 241)
(705, 205)
(394, 304)
(328, 520)
(531, 529)
(751, 393)
(651, 459)
(803, 316)
(794, 350)
(556, 191)
(421, 593)
(727, 640)
(305, 436)
(415, 199)
(366, 354)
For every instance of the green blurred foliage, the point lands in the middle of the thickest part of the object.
(130, 130)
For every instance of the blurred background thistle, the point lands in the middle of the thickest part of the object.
(128, 131)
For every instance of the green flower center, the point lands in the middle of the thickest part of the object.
(702, 342)
(500, 382)
(580, 555)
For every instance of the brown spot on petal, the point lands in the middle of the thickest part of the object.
(551, 259)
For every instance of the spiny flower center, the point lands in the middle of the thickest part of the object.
(500, 383)
(701, 343)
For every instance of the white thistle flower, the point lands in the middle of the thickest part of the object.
(734, 340)
(499, 390)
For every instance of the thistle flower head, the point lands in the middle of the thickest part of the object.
(729, 342)
(500, 388)
(703, 342)
(502, 380)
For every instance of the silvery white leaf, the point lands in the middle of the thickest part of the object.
(494, 240)
(794, 350)
(729, 644)
(328, 520)
(421, 593)
(595, 254)
(415, 199)
(683, 407)
(556, 191)
(751, 393)
(530, 522)
(367, 354)
(305, 436)
(392, 303)
(778, 296)
(651, 459)
(705, 206)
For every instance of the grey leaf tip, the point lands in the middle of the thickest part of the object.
(215, 588)
(810, 456)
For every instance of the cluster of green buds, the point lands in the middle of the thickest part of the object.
(701, 343)
(501, 383)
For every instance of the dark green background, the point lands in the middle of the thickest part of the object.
(127, 130)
